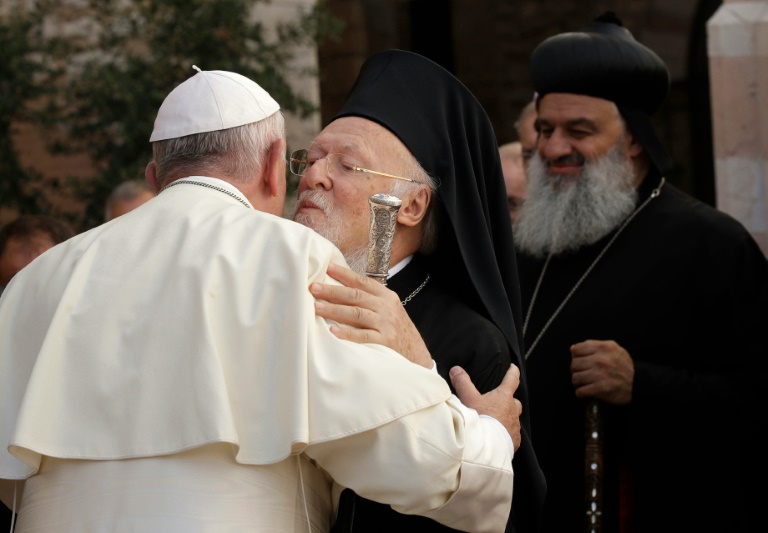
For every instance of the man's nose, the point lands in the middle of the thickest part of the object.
(316, 176)
(555, 146)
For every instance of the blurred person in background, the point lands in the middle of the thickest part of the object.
(25, 238)
(127, 196)
(526, 130)
(512, 166)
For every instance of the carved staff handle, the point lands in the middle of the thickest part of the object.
(384, 209)
(593, 466)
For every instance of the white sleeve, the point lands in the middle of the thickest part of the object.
(444, 462)
(497, 426)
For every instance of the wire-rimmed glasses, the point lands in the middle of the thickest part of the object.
(338, 166)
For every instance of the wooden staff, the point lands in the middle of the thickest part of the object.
(593, 466)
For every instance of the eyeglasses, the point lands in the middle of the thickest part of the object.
(339, 166)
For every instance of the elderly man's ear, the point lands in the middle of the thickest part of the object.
(273, 185)
(414, 207)
(274, 169)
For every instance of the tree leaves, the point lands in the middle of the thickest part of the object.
(94, 79)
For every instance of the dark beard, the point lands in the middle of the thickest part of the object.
(560, 216)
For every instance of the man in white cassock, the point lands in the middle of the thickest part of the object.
(165, 371)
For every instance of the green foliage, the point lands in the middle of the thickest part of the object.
(20, 42)
(113, 78)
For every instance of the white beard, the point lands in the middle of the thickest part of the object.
(562, 214)
(357, 260)
(332, 228)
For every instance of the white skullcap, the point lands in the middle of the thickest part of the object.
(211, 100)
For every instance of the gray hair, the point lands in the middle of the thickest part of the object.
(127, 190)
(237, 154)
(527, 110)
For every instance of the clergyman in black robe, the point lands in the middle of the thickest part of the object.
(468, 313)
(639, 296)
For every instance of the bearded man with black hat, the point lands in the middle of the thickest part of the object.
(452, 266)
(166, 372)
(640, 302)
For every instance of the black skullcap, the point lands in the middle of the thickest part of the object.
(605, 61)
(447, 130)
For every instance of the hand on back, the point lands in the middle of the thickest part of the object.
(499, 403)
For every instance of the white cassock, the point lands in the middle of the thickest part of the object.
(166, 371)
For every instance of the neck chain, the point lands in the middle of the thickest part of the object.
(653, 195)
(210, 186)
(417, 291)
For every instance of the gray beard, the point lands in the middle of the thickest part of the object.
(562, 214)
(332, 228)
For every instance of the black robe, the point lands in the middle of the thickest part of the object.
(476, 311)
(455, 334)
(684, 289)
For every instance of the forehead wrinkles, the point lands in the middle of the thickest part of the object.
(344, 141)
(560, 108)
(358, 137)
(346, 147)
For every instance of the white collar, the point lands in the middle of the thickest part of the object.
(399, 266)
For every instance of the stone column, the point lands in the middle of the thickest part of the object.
(738, 66)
